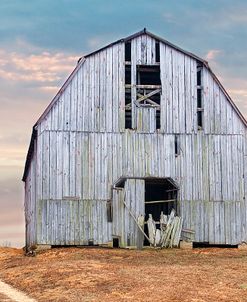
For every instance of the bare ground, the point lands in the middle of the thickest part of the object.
(97, 274)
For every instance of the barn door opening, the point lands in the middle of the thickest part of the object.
(160, 196)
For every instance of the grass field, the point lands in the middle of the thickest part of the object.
(98, 274)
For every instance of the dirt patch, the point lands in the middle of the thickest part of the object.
(97, 274)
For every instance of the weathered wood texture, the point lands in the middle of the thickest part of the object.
(83, 149)
(30, 202)
(209, 171)
(128, 203)
(95, 98)
(146, 119)
(72, 222)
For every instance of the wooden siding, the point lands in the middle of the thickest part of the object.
(72, 222)
(30, 203)
(83, 149)
(209, 171)
(95, 98)
(146, 119)
(178, 98)
(219, 115)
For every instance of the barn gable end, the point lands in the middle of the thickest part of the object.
(138, 108)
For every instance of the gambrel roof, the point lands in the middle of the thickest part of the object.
(123, 40)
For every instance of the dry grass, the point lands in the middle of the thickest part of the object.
(97, 274)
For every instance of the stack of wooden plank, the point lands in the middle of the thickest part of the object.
(169, 234)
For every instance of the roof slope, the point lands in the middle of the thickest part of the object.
(81, 61)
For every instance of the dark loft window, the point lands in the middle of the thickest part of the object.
(176, 146)
(148, 75)
(128, 74)
(148, 90)
(148, 79)
(109, 211)
(199, 75)
(157, 52)
(127, 97)
(128, 51)
(199, 119)
(199, 96)
(157, 119)
(128, 109)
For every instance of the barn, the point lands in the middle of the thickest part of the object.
(141, 126)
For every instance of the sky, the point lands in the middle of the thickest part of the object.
(41, 41)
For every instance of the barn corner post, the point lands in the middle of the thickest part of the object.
(140, 127)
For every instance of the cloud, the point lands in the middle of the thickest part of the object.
(45, 67)
(238, 16)
(212, 54)
(239, 92)
(52, 89)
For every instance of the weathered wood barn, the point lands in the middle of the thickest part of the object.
(140, 126)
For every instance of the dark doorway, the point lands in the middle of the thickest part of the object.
(160, 196)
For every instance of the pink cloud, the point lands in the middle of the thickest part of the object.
(240, 92)
(44, 67)
(212, 54)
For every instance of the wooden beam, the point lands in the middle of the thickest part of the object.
(143, 86)
(135, 220)
(160, 201)
(146, 96)
(148, 100)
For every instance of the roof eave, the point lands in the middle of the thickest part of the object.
(29, 153)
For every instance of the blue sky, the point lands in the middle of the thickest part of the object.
(40, 42)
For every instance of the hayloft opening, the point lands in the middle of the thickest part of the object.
(199, 96)
(148, 75)
(128, 97)
(128, 51)
(109, 210)
(128, 74)
(149, 88)
(157, 52)
(160, 196)
(176, 146)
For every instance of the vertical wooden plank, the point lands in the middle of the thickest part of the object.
(85, 165)
(175, 82)
(78, 165)
(115, 88)
(86, 80)
(72, 164)
(181, 92)
(143, 49)
(109, 89)
(79, 99)
(193, 81)
(188, 99)
(149, 50)
(133, 82)
(66, 163)
(121, 90)
(46, 166)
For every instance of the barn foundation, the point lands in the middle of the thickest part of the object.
(185, 245)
